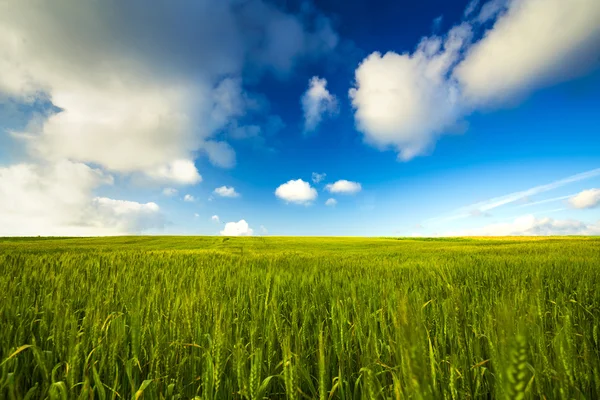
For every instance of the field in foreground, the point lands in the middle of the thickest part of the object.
(318, 318)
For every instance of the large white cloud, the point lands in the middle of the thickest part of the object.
(239, 228)
(317, 102)
(529, 225)
(135, 89)
(586, 199)
(296, 191)
(344, 187)
(534, 43)
(57, 199)
(406, 101)
(116, 111)
(142, 86)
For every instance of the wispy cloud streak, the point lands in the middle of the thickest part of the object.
(496, 202)
(535, 203)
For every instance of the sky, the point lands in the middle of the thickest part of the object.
(298, 117)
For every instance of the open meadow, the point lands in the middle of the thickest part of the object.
(299, 318)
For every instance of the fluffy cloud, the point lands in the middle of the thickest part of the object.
(296, 191)
(57, 199)
(406, 101)
(316, 102)
(178, 171)
(189, 198)
(239, 228)
(331, 202)
(215, 218)
(534, 43)
(529, 225)
(114, 111)
(225, 191)
(344, 187)
(586, 199)
(316, 177)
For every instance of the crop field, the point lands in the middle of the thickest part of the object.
(299, 318)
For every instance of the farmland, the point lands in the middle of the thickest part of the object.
(314, 318)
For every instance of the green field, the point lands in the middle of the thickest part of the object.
(313, 318)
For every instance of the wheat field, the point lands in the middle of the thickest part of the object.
(299, 318)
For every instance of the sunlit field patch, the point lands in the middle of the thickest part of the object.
(339, 318)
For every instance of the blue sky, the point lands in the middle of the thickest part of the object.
(202, 117)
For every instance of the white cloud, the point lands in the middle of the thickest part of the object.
(536, 42)
(136, 90)
(296, 191)
(57, 199)
(586, 199)
(344, 187)
(316, 102)
(133, 90)
(263, 230)
(239, 228)
(529, 225)
(215, 218)
(196, 215)
(331, 202)
(117, 130)
(189, 198)
(170, 192)
(407, 101)
(225, 191)
(404, 101)
(316, 177)
(116, 111)
(178, 171)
